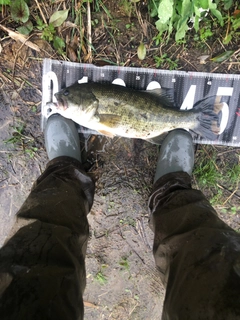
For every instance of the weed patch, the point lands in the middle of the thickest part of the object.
(178, 16)
(100, 277)
(166, 61)
(218, 179)
(20, 141)
(124, 263)
(206, 172)
(233, 174)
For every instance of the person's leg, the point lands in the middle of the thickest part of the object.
(197, 254)
(42, 269)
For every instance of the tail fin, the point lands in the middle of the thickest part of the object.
(208, 117)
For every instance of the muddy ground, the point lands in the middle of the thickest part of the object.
(122, 282)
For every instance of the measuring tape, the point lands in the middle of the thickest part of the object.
(187, 87)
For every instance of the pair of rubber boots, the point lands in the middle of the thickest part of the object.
(176, 153)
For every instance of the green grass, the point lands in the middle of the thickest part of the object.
(206, 172)
(124, 263)
(233, 174)
(217, 198)
(100, 278)
(166, 61)
(20, 141)
(128, 221)
(217, 178)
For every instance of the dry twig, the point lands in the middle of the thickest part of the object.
(20, 37)
(43, 17)
(226, 189)
(89, 32)
(231, 195)
(89, 304)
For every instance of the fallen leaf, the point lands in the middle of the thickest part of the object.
(20, 37)
(141, 51)
(203, 59)
(15, 95)
(71, 54)
(89, 304)
(222, 57)
(69, 24)
(236, 13)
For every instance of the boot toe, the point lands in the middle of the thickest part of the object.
(176, 154)
(61, 138)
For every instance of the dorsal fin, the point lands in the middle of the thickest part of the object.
(165, 96)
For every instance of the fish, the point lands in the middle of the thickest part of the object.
(115, 110)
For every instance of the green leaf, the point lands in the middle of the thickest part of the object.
(26, 28)
(165, 10)
(58, 17)
(222, 57)
(152, 7)
(58, 43)
(48, 32)
(236, 24)
(19, 11)
(211, 5)
(186, 9)
(182, 28)
(203, 4)
(141, 51)
(197, 11)
(218, 15)
(227, 4)
(227, 39)
(196, 23)
(40, 24)
(175, 14)
(161, 26)
(4, 2)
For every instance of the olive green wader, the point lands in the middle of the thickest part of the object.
(197, 254)
(42, 265)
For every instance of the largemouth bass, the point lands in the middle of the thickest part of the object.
(116, 110)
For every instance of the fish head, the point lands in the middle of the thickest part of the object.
(76, 103)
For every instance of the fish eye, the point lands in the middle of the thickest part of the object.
(66, 93)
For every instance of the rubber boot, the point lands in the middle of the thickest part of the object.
(61, 138)
(176, 154)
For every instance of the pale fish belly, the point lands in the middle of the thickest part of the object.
(130, 128)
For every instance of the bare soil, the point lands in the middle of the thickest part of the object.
(122, 282)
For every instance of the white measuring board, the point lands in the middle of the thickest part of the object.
(188, 88)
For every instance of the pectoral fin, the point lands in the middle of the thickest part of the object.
(158, 139)
(109, 120)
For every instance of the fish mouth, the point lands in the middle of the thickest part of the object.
(61, 103)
